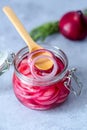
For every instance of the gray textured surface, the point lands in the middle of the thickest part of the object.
(72, 115)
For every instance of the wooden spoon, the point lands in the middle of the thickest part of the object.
(41, 64)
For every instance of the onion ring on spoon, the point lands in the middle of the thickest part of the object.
(30, 58)
(46, 76)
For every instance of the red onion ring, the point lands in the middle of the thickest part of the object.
(47, 94)
(47, 76)
(36, 52)
(27, 95)
(47, 102)
(62, 98)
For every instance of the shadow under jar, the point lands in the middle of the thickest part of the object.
(37, 93)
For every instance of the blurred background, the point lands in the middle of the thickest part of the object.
(32, 13)
(72, 115)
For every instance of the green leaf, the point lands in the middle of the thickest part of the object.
(43, 31)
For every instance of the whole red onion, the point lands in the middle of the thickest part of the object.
(73, 25)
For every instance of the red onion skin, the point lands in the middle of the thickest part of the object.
(73, 25)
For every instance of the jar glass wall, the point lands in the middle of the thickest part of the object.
(36, 93)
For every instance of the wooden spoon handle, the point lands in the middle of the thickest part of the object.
(20, 28)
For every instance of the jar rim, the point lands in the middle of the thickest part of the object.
(58, 77)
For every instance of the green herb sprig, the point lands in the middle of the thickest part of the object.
(43, 31)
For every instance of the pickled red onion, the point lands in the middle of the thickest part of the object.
(46, 76)
(32, 94)
(32, 60)
(37, 52)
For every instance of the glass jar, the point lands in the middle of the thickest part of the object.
(36, 93)
(39, 94)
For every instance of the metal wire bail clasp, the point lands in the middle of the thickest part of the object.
(76, 89)
(5, 61)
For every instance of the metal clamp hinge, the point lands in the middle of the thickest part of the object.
(70, 77)
(6, 65)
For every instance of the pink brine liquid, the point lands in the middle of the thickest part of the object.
(37, 96)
